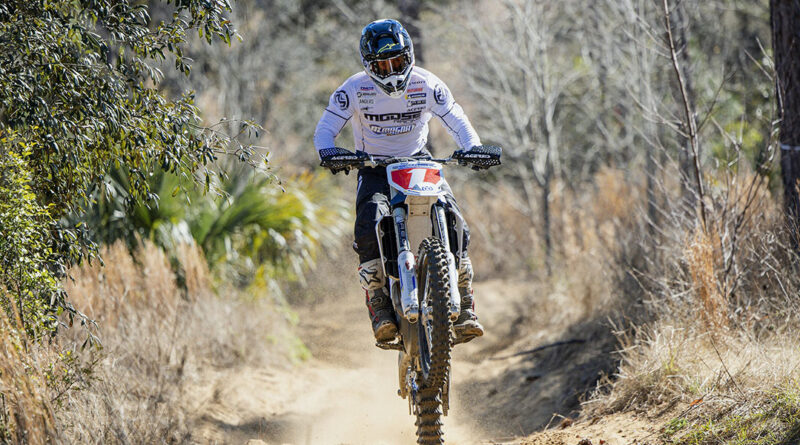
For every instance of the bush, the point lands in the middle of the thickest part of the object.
(78, 95)
(27, 283)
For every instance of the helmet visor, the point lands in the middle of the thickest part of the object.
(388, 67)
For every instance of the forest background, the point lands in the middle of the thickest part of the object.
(640, 183)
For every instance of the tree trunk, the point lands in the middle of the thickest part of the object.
(548, 236)
(687, 160)
(785, 18)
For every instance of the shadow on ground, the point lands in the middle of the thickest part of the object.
(535, 389)
(541, 356)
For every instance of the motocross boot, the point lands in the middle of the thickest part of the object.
(466, 325)
(381, 312)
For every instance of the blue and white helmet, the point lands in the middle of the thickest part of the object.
(388, 55)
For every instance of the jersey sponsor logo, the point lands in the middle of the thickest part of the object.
(367, 87)
(411, 103)
(366, 101)
(360, 94)
(341, 99)
(391, 131)
(407, 116)
(440, 94)
(415, 95)
(414, 90)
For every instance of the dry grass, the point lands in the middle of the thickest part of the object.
(506, 228)
(26, 411)
(720, 335)
(588, 228)
(159, 340)
(699, 255)
(708, 317)
(668, 364)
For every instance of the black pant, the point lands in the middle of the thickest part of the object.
(372, 203)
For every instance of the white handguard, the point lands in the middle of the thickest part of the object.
(370, 274)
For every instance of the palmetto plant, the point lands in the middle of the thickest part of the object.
(253, 231)
(260, 230)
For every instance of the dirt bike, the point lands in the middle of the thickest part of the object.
(423, 288)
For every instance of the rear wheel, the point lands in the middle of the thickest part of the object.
(435, 340)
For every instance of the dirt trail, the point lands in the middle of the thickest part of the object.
(346, 394)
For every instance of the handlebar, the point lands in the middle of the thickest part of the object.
(373, 161)
(339, 159)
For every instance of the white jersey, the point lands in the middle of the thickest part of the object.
(383, 125)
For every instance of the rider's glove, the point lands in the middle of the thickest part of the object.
(338, 159)
(479, 157)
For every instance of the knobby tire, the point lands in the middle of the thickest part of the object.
(429, 417)
(434, 289)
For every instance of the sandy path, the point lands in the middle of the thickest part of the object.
(346, 394)
(354, 396)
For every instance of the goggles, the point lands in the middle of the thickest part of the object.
(387, 67)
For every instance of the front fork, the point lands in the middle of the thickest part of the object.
(406, 262)
(440, 231)
(406, 268)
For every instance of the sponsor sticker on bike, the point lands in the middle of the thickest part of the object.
(416, 178)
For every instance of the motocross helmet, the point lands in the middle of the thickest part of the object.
(388, 55)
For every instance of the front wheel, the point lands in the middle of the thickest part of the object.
(435, 341)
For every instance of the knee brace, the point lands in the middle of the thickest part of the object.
(465, 273)
(370, 274)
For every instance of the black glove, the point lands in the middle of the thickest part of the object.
(479, 157)
(338, 159)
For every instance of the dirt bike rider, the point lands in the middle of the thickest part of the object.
(390, 104)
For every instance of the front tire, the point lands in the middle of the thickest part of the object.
(429, 417)
(435, 340)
